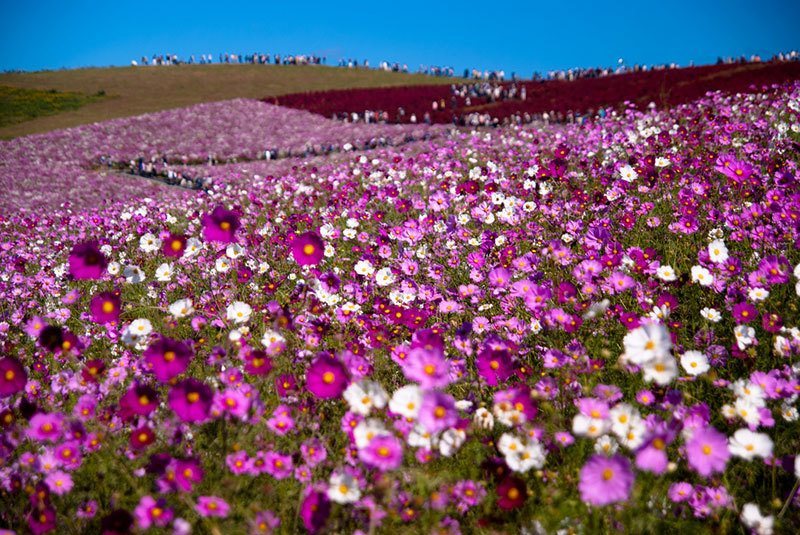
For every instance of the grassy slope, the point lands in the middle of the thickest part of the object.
(137, 90)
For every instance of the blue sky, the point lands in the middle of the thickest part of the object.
(518, 37)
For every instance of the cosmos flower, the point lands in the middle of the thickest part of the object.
(152, 512)
(707, 451)
(326, 377)
(308, 249)
(191, 400)
(105, 307)
(220, 225)
(427, 367)
(174, 245)
(212, 506)
(383, 452)
(167, 358)
(12, 377)
(605, 480)
(314, 511)
(86, 261)
(511, 493)
(437, 411)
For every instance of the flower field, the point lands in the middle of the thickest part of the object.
(564, 328)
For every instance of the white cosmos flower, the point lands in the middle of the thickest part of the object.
(343, 489)
(140, 327)
(133, 274)
(364, 267)
(234, 251)
(635, 435)
(114, 268)
(666, 273)
(164, 272)
(702, 276)
(753, 519)
(451, 440)
(757, 294)
(627, 173)
(647, 343)
(239, 312)
(662, 162)
(181, 308)
(748, 444)
(271, 337)
(583, 425)
(364, 395)
(662, 371)
(366, 430)
(606, 445)
(384, 277)
(717, 251)
(622, 416)
(406, 401)
(483, 418)
(149, 243)
(694, 362)
(193, 246)
(745, 336)
(747, 411)
(222, 265)
(531, 454)
(711, 314)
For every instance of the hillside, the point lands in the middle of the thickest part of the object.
(133, 91)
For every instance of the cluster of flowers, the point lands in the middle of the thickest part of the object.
(578, 327)
(66, 161)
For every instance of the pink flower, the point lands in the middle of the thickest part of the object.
(326, 377)
(212, 506)
(605, 480)
(308, 249)
(87, 262)
(383, 452)
(707, 451)
(220, 225)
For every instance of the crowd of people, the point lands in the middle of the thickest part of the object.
(256, 58)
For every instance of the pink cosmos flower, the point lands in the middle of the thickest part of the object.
(211, 506)
(315, 510)
(45, 427)
(326, 377)
(105, 307)
(605, 480)
(167, 358)
(707, 451)
(383, 452)
(437, 411)
(191, 400)
(151, 512)
(428, 367)
(308, 249)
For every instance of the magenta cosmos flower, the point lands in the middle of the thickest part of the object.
(606, 480)
(87, 262)
(174, 246)
(326, 377)
(383, 452)
(511, 493)
(191, 400)
(220, 225)
(12, 377)
(105, 307)
(46, 426)
(140, 400)
(315, 510)
(168, 358)
(707, 451)
(308, 249)
(428, 367)
(494, 365)
(152, 512)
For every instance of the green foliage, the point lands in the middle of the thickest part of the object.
(18, 105)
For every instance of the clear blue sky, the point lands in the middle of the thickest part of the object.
(514, 36)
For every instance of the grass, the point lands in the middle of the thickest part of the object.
(18, 105)
(137, 90)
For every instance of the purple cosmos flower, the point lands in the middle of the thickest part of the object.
(105, 307)
(46, 427)
(707, 451)
(168, 358)
(139, 400)
(12, 377)
(511, 493)
(494, 365)
(212, 506)
(308, 249)
(315, 511)
(42, 520)
(191, 400)
(653, 456)
(326, 377)
(437, 411)
(174, 245)
(680, 492)
(86, 261)
(220, 225)
(141, 438)
(278, 465)
(59, 482)
(605, 480)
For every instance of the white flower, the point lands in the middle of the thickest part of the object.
(666, 273)
(702, 276)
(271, 337)
(522, 455)
(745, 336)
(133, 274)
(406, 401)
(164, 272)
(239, 312)
(662, 162)
(797, 467)
(384, 277)
(622, 416)
(140, 327)
(193, 246)
(483, 418)
(149, 243)
(757, 294)
(450, 441)
(114, 268)
(583, 425)
(343, 488)
(234, 251)
(627, 173)
(647, 343)
(711, 314)
(364, 395)
(717, 251)
(694, 362)
(748, 444)
(747, 411)
(222, 264)
(662, 370)
(367, 430)
(751, 517)
(364, 267)
(606, 445)
(181, 308)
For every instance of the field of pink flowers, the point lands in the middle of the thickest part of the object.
(566, 329)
